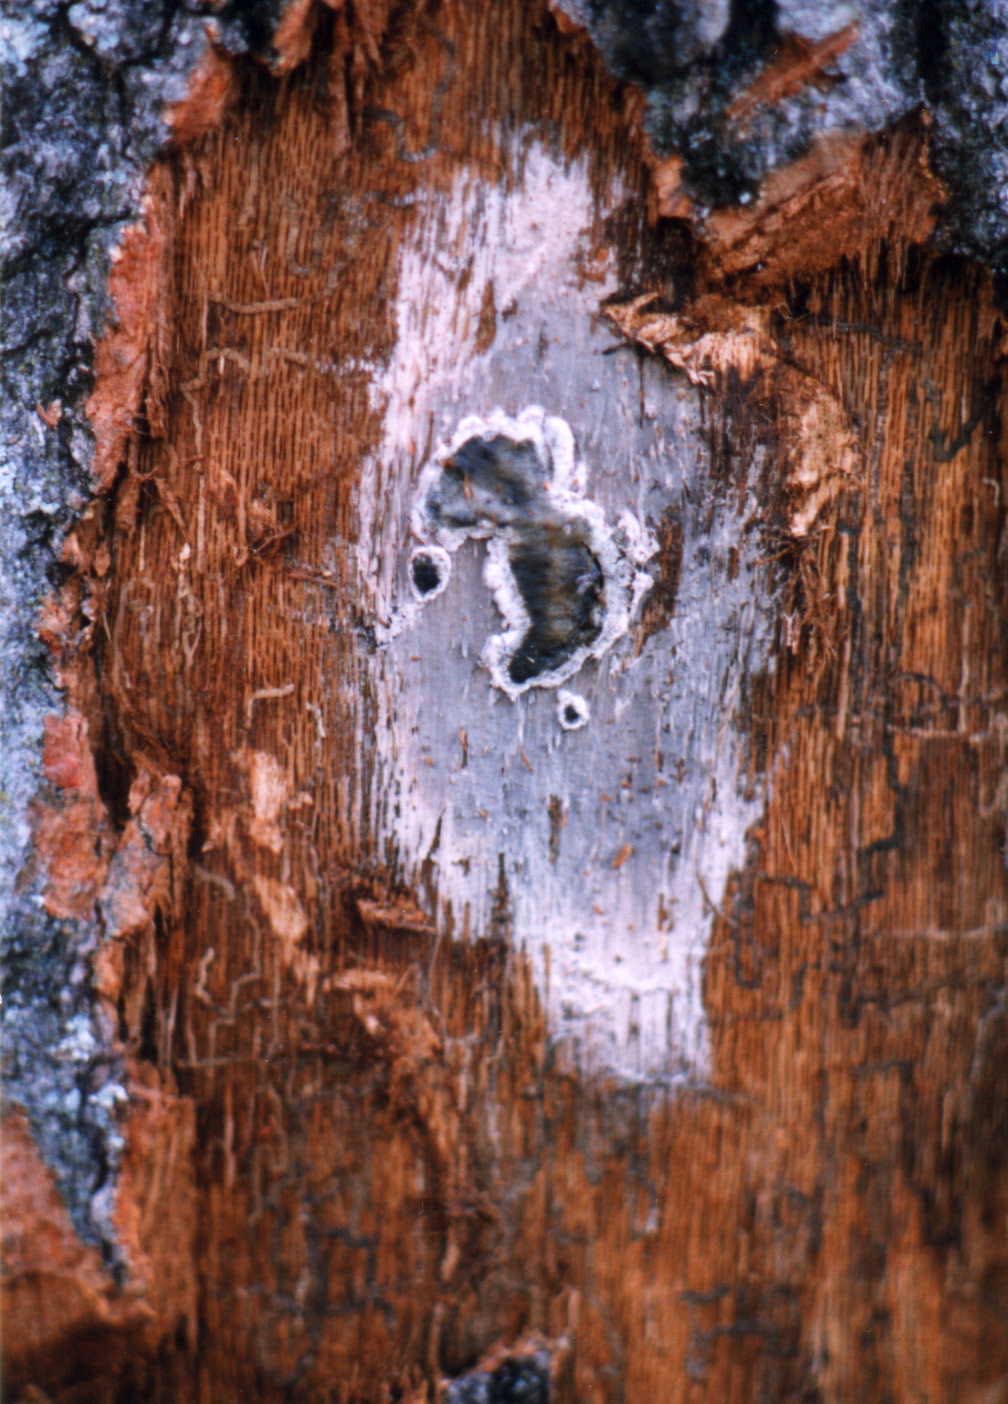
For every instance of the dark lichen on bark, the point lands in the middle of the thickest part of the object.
(879, 62)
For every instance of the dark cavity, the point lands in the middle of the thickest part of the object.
(426, 575)
(498, 483)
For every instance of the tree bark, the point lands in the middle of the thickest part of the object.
(441, 1040)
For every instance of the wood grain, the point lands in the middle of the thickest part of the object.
(395, 1170)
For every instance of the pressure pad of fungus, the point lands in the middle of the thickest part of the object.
(565, 583)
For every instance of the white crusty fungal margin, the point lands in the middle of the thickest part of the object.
(598, 841)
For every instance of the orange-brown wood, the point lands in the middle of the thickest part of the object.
(388, 1171)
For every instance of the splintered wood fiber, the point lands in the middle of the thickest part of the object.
(393, 1175)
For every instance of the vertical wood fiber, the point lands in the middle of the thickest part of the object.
(393, 1174)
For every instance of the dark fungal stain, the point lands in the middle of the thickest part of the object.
(659, 607)
(487, 482)
(557, 819)
(498, 483)
(486, 331)
(561, 585)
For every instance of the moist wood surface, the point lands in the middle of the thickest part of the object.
(393, 1174)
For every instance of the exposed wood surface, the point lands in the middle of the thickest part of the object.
(390, 1173)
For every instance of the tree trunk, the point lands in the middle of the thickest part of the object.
(542, 907)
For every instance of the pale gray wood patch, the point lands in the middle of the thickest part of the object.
(614, 905)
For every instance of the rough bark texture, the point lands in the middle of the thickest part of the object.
(282, 1125)
(735, 92)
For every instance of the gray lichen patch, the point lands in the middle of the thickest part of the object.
(565, 582)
